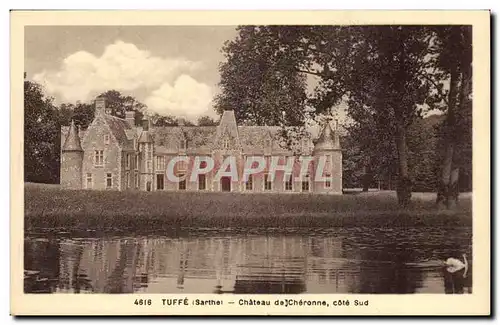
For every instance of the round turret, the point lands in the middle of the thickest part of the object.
(72, 159)
(328, 156)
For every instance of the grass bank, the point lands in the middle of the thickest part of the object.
(54, 208)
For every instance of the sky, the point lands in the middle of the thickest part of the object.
(171, 69)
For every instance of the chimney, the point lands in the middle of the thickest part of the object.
(130, 118)
(145, 123)
(100, 105)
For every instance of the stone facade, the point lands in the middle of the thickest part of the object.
(115, 154)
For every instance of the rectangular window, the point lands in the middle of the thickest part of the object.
(98, 158)
(249, 183)
(160, 181)
(160, 163)
(137, 162)
(109, 180)
(182, 182)
(136, 180)
(127, 179)
(128, 161)
(202, 182)
(106, 139)
(328, 181)
(148, 165)
(267, 182)
(183, 144)
(305, 183)
(288, 182)
(89, 180)
(225, 144)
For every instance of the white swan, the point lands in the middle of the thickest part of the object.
(454, 265)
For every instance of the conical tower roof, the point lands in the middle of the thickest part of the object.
(328, 139)
(72, 142)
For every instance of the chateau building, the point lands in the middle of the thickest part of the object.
(115, 154)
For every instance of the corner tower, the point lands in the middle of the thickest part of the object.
(327, 151)
(72, 159)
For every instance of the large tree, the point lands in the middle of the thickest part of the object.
(41, 136)
(259, 81)
(206, 121)
(81, 113)
(119, 104)
(375, 70)
(451, 74)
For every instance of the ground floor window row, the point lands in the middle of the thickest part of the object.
(225, 184)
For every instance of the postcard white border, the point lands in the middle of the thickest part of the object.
(477, 303)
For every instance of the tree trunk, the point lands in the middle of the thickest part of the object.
(445, 187)
(404, 183)
(366, 178)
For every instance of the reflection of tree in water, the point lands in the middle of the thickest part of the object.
(42, 257)
(382, 268)
(183, 264)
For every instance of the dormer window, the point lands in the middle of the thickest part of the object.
(106, 139)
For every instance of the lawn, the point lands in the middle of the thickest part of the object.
(54, 208)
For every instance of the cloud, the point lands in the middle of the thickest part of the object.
(122, 67)
(186, 98)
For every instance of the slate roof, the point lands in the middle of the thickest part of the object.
(327, 140)
(72, 142)
(119, 127)
(198, 139)
(202, 139)
(64, 135)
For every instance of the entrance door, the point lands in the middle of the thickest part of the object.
(159, 181)
(225, 183)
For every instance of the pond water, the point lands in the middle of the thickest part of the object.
(337, 260)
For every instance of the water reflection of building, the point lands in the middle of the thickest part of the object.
(215, 264)
(240, 264)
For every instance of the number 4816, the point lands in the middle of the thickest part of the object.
(143, 302)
